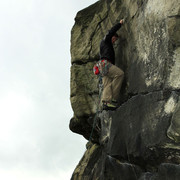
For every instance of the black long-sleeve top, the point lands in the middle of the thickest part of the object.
(106, 46)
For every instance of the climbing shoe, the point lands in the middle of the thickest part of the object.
(114, 102)
(109, 106)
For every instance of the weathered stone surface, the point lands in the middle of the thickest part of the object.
(95, 164)
(143, 134)
(89, 127)
(142, 122)
(174, 78)
(106, 120)
(165, 171)
(87, 165)
(150, 47)
(84, 92)
(168, 171)
(174, 129)
(86, 33)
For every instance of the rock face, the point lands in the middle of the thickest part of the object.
(141, 139)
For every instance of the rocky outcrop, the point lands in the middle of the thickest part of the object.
(141, 139)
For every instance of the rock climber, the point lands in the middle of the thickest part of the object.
(113, 75)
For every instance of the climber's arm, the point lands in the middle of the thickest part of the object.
(113, 30)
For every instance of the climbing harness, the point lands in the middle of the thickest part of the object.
(102, 67)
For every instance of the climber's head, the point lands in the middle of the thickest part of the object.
(114, 38)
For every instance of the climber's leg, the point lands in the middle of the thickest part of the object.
(107, 89)
(116, 75)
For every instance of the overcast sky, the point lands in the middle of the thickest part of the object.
(35, 140)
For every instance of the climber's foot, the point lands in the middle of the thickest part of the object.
(114, 102)
(109, 106)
